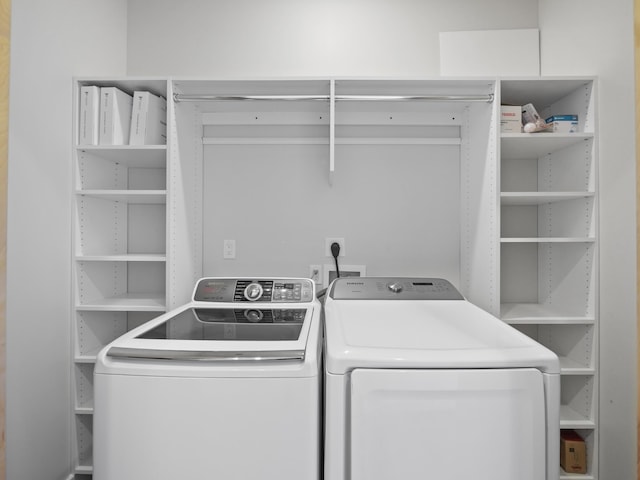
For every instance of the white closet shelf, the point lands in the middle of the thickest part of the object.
(143, 156)
(540, 198)
(535, 313)
(265, 141)
(569, 418)
(574, 476)
(129, 302)
(571, 367)
(547, 240)
(517, 146)
(124, 257)
(89, 357)
(325, 141)
(158, 197)
(397, 141)
(83, 470)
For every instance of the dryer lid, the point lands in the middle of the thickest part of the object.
(425, 334)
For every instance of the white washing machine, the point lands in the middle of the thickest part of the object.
(420, 383)
(227, 386)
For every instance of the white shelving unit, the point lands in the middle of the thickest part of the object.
(148, 220)
(549, 255)
(119, 253)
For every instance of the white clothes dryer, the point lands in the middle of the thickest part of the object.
(420, 383)
(226, 386)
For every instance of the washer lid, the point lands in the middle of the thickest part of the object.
(425, 334)
(196, 332)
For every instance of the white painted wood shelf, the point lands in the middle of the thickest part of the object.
(128, 302)
(516, 146)
(142, 156)
(540, 198)
(127, 257)
(535, 313)
(547, 239)
(128, 196)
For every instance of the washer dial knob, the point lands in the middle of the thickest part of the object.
(253, 291)
(395, 287)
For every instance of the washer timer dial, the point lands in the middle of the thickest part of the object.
(395, 287)
(253, 292)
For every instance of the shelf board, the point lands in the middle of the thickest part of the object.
(128, 196)
(575, 476)
(535, 313)
(125, 257)
(542, 92)
(131, 302)
(397, 141)
(86, 358)
(547, 240)
(325, 141)
(144, 156)
(265, 141)
(517, 146)
(571, 367)
(569, 418)
(540, 198)
(84, 410)
(83, 469)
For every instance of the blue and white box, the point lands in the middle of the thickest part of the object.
(563, 123)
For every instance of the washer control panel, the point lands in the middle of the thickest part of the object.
(393, 288)
(259, 290)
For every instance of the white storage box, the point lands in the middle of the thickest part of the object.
(510, 118)
(563, 123)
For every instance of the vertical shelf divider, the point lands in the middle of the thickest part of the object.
(332, 130)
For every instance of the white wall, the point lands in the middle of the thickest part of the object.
(595, 37)
(48, 46)
(250, 38)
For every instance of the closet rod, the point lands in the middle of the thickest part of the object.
(183, 97)
(429, 98)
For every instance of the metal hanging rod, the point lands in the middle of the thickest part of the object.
(426, 98)
(183, 97)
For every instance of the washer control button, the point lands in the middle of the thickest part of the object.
(395, 287)
(253, 292)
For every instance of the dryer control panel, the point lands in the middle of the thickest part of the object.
(393, 288)
(259, 290)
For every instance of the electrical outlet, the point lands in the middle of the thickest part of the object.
(327, 246)
(315, 273)
(229, 249)
(345, 271)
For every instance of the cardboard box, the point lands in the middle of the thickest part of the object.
(563, 123)
(510, 119)
(573, 452)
